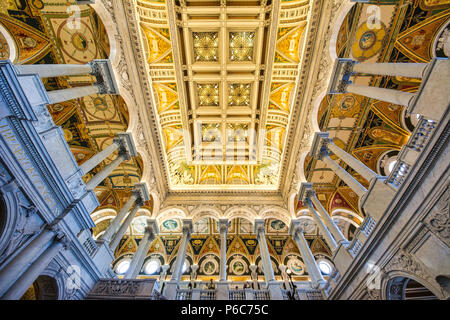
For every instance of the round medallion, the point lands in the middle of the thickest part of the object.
(170, 224)
(238, 267)
(367, 40)
(210, 266)
(296, 266)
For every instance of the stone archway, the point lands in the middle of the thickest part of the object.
(405, 288)
(43, 288)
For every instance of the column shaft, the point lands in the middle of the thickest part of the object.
(345, 176)
(99, 177)
(18, 289)
(115, 224)
(93, 161)
(389, 95)
(308, 258)
(57, 96)
(139, 256)
(181, 255)
(265, 256)
(335, 231)
(357, 165)
(54, 70)
(323, 229)
(20, 262)
(123, 228)
(409, 70)
(223, 254)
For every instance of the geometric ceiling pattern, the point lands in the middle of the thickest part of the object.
(223, 78)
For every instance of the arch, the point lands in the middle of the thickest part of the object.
(172, 212)
(110, 27)
(103, 214)
(400, 277)
(13, 53)
(337, 26)
(241, 212)
(338, 213)
(276, 213)
(205, 212)
(292, 204)
(156, 200)
(315, 110)
(9, 214)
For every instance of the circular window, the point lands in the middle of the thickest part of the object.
(185, 267)
(122, 266)
(391, 165)
(325, 267)
(152, 266)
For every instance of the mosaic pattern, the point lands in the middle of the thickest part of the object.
(241, 46)
(239, 94)
(208, 94)
(206, 46)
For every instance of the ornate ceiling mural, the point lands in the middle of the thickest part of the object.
(223, 79)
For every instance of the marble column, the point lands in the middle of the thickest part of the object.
(194, 270)
(264, 251)
(409, 70)
(95, 160)
(181, 254)
(353, 162)
(115, 224)
(329, 239)
(357, 187)
(124, 226)
(308, 258)
(389, 95)
(17, 290)
(163, 273)
(141, 252)
(335, 231)
(223, 227)
(58, 96)
(24, 258)
(102, 175)
(54, 70)
(123, 142)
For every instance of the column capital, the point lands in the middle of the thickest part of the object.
(306, 191)
(319, 145)
(340, 75)
(295, 226)
(194, 267)
(126, 144)
(259, 226)
(140, 190)
(103, 72)
(223, 225)
(152, 225)
(187, 226)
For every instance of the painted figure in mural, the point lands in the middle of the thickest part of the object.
(209, 267)
(278, 225)
(238, 267)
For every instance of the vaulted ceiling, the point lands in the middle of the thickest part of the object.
(223, 74)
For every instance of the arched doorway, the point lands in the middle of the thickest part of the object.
(43, 288)
(404, 288)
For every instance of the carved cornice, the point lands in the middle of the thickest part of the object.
(133, 77)
(316, 70)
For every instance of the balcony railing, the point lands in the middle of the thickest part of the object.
(184, 294)
(237, 295)
(208, 295)
(261, 295)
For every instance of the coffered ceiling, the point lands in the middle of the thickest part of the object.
(223, 76)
